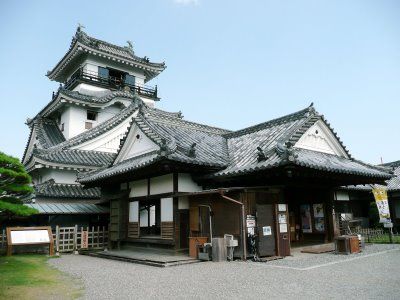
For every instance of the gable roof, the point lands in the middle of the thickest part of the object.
(100, 129)
(270, 144)
(258, 147)
(68, 158)
(82, 44)
(47, 134)
(63, 96)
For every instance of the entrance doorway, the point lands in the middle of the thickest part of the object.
(266, 230)
(150, 218)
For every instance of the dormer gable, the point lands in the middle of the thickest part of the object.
(135, 143)
(319, 137)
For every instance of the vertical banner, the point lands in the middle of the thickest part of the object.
(84, 239)
(382, 203)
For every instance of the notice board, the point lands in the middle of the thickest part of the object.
(24, 236)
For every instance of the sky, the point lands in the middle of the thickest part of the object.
(230, 64)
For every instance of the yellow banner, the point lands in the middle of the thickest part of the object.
(382, 203)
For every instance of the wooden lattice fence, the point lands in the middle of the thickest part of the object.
(69, 239)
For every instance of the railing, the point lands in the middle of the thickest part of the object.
(69, 239)
(82, 75)
(379, 235)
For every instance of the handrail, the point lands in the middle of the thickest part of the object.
(110, 81)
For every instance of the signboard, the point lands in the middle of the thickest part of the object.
(388, 225)
(250, 221)
(281, 207)
(382, 203)
(282, 228)
(267, 230)
(282, 218)
(84, 239)
(25, 236)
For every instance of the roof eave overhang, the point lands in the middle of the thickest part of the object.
(150, 71)
(38, 163)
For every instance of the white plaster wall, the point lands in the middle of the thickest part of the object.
(74, 121)
(134, 211)
(107, 142)
(135, 146)
(59, 176)
(167, 210)
(161, 184)
(107, 113)
(321, 139)
(65, 116)
(138, 188)
(186, 183)
(91, 90)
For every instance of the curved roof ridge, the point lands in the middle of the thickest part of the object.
(158, 117)
(304, 113)
(94, 99)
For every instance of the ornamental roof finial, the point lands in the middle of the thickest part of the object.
(80, 27)
(130, 44)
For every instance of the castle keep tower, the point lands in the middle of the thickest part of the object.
(101, 87)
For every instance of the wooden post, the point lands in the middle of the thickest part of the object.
(57, 240)
(75, 246)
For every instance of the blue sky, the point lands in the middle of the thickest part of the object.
(230, 63)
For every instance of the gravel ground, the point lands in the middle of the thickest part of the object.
(372, 275)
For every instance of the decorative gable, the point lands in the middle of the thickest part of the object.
(136, 143)
(109, 141)
(319, 137)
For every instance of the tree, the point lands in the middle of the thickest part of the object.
(15, 185)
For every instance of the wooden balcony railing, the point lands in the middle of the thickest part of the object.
(111, 82)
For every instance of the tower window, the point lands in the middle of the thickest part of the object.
(91, 115)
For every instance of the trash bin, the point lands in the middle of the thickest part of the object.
(194, 242)
(219, 250)
(347, 244)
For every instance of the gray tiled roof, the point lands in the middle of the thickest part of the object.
(178, 136)
(120, 168)
(47, 134)
(235, 153)
(93, 99)
(124, 52)
(76, 97)
(68, 208)
(51, 189)
(83, 43)
(392, 185)
(75, 157)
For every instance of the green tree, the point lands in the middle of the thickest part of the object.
(15, 185)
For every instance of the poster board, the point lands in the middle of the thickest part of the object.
(25, 236)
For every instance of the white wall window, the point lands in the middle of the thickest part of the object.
(91, 115)
(134, 211)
